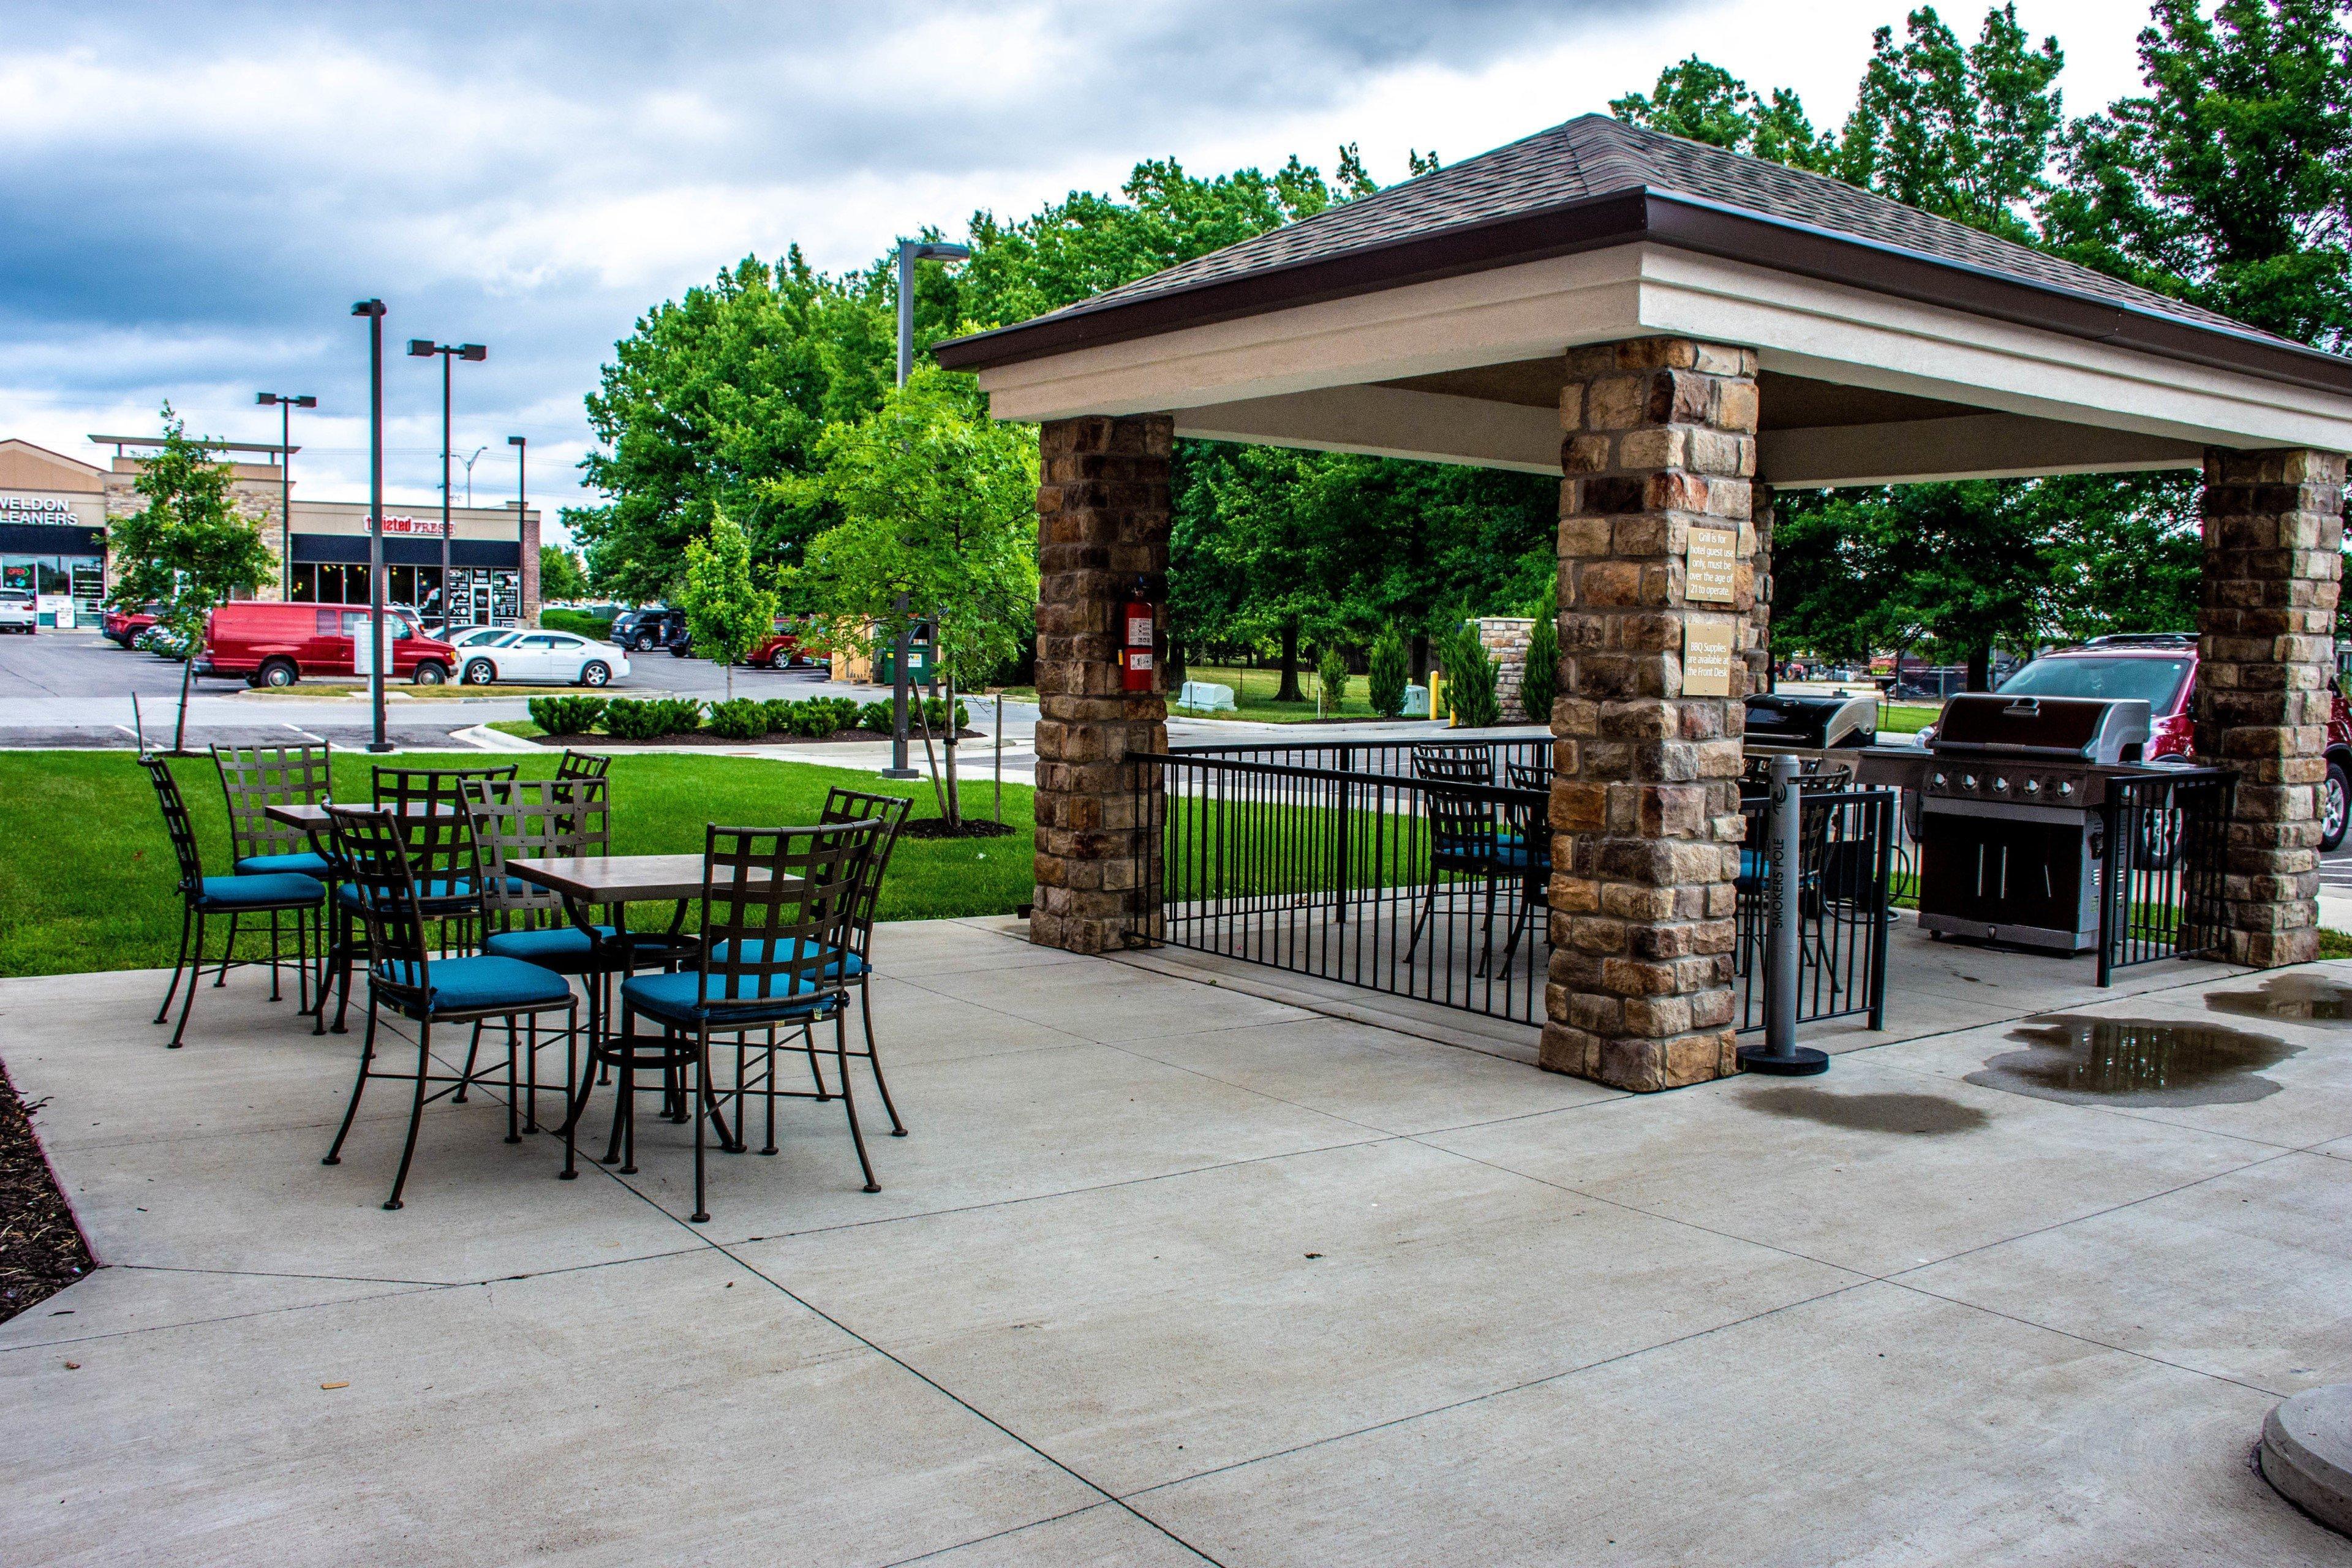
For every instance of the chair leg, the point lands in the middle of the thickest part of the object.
(273, 956)
(1428, 907)
(344, 975)
(701, 1215)
(466, 1077)
(531, 1073)
(416, 1112)
(848, 1100)
(302, 961)
(514, 1133)
(187, 922)
(874, 1056)
(771, 1084)
(352, 1111)
(575, 1093)
(195, 978)
(227, 952)
(822, 1093)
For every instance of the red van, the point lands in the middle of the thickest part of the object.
(277, 644)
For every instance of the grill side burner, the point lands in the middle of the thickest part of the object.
(2009, 845)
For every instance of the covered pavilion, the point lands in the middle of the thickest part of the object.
(1673, 329)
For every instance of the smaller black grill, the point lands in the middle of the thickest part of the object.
(1778, 722)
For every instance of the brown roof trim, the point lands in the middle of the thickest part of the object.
(1627, 217)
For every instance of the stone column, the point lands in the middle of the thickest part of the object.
(2274, 526)
(1102, 524)
(527, 529)
(1760, 614)
(1659, 442)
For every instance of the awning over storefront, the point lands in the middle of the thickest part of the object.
(351, 550)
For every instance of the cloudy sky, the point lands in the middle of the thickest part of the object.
(193, 194)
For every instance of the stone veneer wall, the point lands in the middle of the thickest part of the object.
(2274, 533)
(1505, 638)
(1659, 439)
(1102, 523)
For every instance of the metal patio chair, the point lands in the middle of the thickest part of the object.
(841, 806)
(776, 909)
(203, 898)
(1464, 837)
(255, 778)
(582, 765)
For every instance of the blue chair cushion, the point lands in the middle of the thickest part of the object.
(847, 963)
(680, 998)
(561, 948)
(283, 890)
(352, 896)
(303, 865)
(488, 982)
(1754, 868)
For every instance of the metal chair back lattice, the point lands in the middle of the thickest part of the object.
(254, 779)
(534, 819)
(582, 765)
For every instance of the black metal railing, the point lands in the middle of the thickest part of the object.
(1417, 888)
(2163, 835)
(1389, 759)
(1845, 857)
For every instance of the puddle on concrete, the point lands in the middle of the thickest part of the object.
(2296, 998)
(1924, 1114)
(2135, 1061)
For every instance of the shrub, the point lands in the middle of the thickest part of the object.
(567, 715)
(1331, 670)
(649, 718)
(935, 713)
(579, 625)
(1539, 681)
(739, 718)
(1470, 679)
(814, 718)
(846, 711)
(1386, 683)
(874, 716)
(779, 711)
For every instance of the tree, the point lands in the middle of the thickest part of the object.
(714, 398)
(727, 612)
(1539, 677)
(938, 502)
(561, 575)
(1704, 102)
(1385, 681)
(2230, 184)
(1331, 678)
(190, 548)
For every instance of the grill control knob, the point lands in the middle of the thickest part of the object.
(2065, 786)
(2001, 784)
(2033, 786)
(1939, 781)
(1968, 781)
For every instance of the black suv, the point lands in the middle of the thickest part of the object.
(654, 626)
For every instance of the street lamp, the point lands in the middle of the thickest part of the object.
(469, 475)
(426, 348)
(910, 252)
(374, 310)
(286, 406)
(522, 514)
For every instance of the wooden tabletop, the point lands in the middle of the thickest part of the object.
(314, 817)
(616, 878)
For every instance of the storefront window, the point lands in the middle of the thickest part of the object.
(304, 588)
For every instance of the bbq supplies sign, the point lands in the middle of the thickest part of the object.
(1707, 655)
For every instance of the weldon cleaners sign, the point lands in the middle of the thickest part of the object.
(39, 508)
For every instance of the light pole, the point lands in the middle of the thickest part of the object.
(910, 252)
(469, 475)
(374, 310)
(286, 406)
(522, 515)
(426, 348)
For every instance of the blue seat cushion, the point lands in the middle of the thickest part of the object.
(352, 896)
(282, 890)
(681, 998)
(474, 985)
(755, 951)
(1754, 868)
(561, 948)
(303, 865)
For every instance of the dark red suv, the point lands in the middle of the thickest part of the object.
(2160, 670)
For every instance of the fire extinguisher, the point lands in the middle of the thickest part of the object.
(1136, 646)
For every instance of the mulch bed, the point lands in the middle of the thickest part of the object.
(939, 827)
(705, 738)
(41, 1248)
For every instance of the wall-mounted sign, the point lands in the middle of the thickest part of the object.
(36, 508)
(1711, 569)
(411, 524)
(1707, 655)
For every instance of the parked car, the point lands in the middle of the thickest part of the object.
(123, 626)
(481, 637)
(652, 627)
(543, 656)
(17, 611)
(276, 645)
(2160, 670)
(781, 648)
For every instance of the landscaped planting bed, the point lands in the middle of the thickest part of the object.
(41, 1248)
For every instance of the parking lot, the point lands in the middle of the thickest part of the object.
(76, 690)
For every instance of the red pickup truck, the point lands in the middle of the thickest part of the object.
(277, 644)
(124, 626)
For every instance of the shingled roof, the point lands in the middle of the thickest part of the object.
(1595, 182)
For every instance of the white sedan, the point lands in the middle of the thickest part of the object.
(541, 657)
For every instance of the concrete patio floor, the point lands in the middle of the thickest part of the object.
(1169, 1271)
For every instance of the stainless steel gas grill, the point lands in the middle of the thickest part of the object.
(1778, 722)
(2009, 842)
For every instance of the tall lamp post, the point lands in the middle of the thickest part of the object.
(522, 515)
(426, 348)
(910, 252)
(374, 310)
(286, 406)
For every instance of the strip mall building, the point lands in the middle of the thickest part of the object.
(54, 511)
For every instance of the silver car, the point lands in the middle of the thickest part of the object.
(17, 611)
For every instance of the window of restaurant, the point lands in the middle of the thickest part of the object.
(83, 577)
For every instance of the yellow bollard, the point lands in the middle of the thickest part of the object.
(1437, 698)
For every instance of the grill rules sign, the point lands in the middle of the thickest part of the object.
(1710, 572)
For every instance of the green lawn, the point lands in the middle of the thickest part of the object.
(87, 881)
(1254, 692)
(1906, 717)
